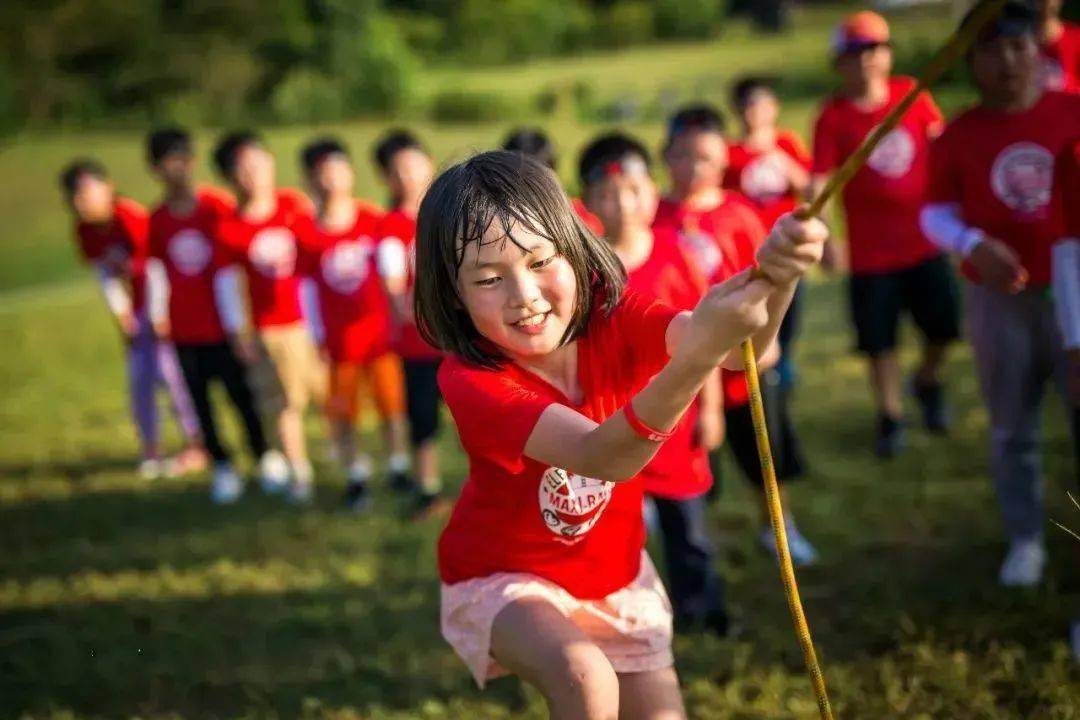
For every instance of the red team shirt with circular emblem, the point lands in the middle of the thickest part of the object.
(519, 515)
(401, 226)
(722, 242)
(121, 244)
(267, 251)
(353, 305)
(761, 176)
(680, 469)
(999, 168)
(1059, 67)
(190, 252)
(882, 201)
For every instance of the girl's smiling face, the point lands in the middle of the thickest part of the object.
(518, 290)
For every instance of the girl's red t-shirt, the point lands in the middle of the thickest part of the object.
(519, 515)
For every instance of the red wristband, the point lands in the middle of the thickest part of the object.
(641, 429)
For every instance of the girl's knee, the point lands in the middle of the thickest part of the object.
(582, 684)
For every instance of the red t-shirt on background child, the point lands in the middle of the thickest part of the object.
(354, 308)
(189, 250)
(591, 221)
(762, 178)
(999, 167)
(715, 238)
(267, 251)
(121, 245)
(1059, 61)
(680, 469)
(1067, 191)
(882, 201)
(400, 226)
(519, 515)
(723, 242)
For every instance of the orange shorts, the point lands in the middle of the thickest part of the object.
(383, 375)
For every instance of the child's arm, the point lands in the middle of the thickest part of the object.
(613, 450)
(157, 297)
(391, 262)
(117, 298)
(230, 308)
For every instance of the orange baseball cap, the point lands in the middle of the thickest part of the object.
(859, 31)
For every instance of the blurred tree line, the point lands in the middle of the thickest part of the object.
(223, 61)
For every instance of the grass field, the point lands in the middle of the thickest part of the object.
(122, 598)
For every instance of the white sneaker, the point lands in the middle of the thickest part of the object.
(802, 552)
(301, 493)
(1023, 566)
(151, 469)
(226, 486)
(273, 472)
(359, 471)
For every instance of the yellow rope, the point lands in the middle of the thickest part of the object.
(956, 46)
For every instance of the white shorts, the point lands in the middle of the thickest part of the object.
(631, 626)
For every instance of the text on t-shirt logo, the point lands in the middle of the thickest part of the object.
(894, 154)
(1022, 177)
(763, 178)
(190, 252)
(570, 504)
(273, 252)
(345, 266)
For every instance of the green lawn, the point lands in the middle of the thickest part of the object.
(121, 598)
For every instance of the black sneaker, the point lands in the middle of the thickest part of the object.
(401, 482)
(430, 505)
(931, 398)
(890, 437)
(357, 497)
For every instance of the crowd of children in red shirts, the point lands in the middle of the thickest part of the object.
(291, 299)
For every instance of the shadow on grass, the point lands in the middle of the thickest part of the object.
(73, 470)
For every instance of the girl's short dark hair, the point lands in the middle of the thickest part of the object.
(393, 142)
(165, 141)
(229, 147)
(318, 150)
(510, 189)
(694, 118)
(613, 147)
(747, 85)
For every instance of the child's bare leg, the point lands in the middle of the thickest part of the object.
(885, 381)
(532, 639)
(652, 695)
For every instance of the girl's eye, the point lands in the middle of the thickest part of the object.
(487, 282)
(539, 264)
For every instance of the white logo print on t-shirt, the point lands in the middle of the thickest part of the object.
(345, 266)
(273, 252)
(1022, 177)
(764, 178)
(571, 504)
(190, 252)
(894, 154)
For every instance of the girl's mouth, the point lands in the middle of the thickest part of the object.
(533, 324)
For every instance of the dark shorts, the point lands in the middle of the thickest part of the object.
(422, 399)
(788, 460)
(927, 291)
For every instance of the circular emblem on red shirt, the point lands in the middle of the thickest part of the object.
(704, 250)
(1022, 177)
(894, 154)
(190, 252)
(273, 252)
(570, 504)
(763, 178)
(345, 266)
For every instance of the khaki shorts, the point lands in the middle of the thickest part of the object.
(289, 373)
(631, 626)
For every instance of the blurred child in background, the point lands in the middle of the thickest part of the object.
(619, 191)
(535, 143)
(723, 231)
(893, 268)
(771, 168)
(990, 203)
(259, 240)
(111, 235)
(184, 256)
(351, 315)
(1059, 45)
(407, 170)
